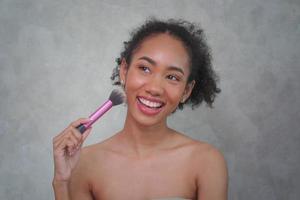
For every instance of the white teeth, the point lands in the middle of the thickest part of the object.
(150, 103)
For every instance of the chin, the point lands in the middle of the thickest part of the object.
(150, 112)
(148, 118)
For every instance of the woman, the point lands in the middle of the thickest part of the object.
(164, 66)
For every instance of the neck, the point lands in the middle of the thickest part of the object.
(144, 140)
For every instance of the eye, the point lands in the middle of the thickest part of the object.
(173, 78)
(144, 69)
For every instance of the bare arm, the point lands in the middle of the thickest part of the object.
(66, 151)
(212, 181)
(80, 186)
(61, 191)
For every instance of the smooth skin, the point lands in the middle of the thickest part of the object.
(146, 159)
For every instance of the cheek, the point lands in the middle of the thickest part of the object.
(174, 93)
(134, 81)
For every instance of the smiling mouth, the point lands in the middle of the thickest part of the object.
(150, 104)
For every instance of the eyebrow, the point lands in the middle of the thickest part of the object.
(151, 61)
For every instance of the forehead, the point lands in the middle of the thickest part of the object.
(164, 49)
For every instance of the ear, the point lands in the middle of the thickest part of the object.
(123, 71)
(187, 91)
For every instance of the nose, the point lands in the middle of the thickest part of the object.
(154, 86)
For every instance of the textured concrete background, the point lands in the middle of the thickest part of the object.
(55, 62)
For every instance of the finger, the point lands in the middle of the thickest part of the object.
(59, 136)
(65, 132)
(76, 134)
(79, 121)
(70, 146)
(75, 143)
(73, 124)
(86, 134)
(76, 139)
(62, 143)
(58, 141)
(60, 148)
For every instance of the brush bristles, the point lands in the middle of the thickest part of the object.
(116, 97)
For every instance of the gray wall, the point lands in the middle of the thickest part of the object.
(55, 62)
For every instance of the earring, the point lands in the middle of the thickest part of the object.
(182, 100)
(122, 83)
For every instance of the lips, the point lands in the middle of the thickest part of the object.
(149, 106)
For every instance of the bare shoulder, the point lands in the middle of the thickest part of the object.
(210, 169)
(207, 152)
(203, 155)
(98, 150)
(208, 157)
(88, 167)
(90, 162)
(199, 148)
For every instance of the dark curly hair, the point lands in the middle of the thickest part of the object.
(193, 38)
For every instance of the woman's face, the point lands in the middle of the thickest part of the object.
(156, 80)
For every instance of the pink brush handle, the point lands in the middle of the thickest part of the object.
(96, 115)
(99, 112)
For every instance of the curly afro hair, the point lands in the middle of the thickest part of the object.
(192, 37)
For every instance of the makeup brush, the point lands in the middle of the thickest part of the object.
(116, 97)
